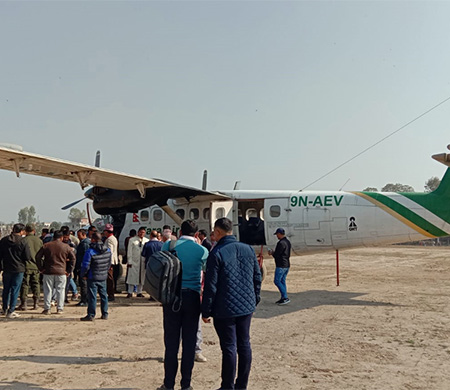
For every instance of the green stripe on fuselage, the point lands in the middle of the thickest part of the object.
(408, 213)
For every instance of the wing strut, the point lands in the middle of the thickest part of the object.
(141, 188)
(16, 162)
(172, 214)
(82, 178)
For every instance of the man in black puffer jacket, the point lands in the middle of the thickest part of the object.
(231, 293)
(95, 267)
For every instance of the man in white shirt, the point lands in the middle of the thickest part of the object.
(136, 263)
(113, 273)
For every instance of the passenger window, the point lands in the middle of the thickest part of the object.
(194, 214)
(206, 213)
(157, 215)
(180, 213)
(145, 215)
(275, 211)
(251, 213)
(220, 213)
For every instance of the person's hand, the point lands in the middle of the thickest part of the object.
(206, 320)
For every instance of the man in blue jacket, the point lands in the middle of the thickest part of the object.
(231, 293)
(95, 267)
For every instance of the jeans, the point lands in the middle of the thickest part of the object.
(11, 288)
(280, 280)
(234, 336)
(184, 323)
(56, 284)
(93, 287)
(83, 288)
(70, 285)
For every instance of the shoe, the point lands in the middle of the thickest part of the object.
(111, 299)
(87, 318)
(140, 295)
(279, 301)
(129, 295)
(104, 316)
(187, 388)
(22, 307)
(285, 301)
(66, 301)
(164, 388)
(151, 299)
(59, 311)
(52, 303)
(13, 315)
(74, 297)
(200, 358)
(117, 292)
(81, 304)
(46, 312)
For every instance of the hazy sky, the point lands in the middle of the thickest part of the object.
(274, 94)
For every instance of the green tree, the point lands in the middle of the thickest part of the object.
(370, 189)
(432, 183)
(27, 215)
(397, 188)
(76, 215)
(55, 225)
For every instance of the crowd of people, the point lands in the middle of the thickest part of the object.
(221, 279)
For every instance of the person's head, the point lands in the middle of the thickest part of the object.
(30, 229)
(19, 228)
(65, 227)
(132, 232)
(57, 235)
(141, 232)
(280, 233)
(109, 230)
(211, 236)
(189, 228)
(222, 227)
(66, 235)
(202, 234)
(81, 234)
(166, 227)
(159, 236)
(96, 237)
(44, 232)
(154, 234)
(91, 231)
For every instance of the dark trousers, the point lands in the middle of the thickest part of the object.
(183, 323)
(94, 287)
(82, 282)
(110, 283)
(30, 281)
(234, 336)
(11, 288)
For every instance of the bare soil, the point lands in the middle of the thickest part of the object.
(387, 326)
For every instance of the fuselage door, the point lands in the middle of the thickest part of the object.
(221, 209)
(276, 215)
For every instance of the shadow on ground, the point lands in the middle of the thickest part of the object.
(309, 299)
(77, 360)
(31, 386)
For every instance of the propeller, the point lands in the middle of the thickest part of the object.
(72, 204)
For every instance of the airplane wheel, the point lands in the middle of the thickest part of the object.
(263, 272)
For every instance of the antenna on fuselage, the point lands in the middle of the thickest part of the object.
(343, 185)
(205, 180)
(97, 159)
(237, 185)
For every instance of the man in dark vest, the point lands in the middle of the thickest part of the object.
(95, 267)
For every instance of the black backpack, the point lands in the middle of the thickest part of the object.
(163, 276)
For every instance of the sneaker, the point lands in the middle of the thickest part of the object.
(46, 312)
(75, 297)
(129, 295)
(164, 388)
(13, 315)
(104, 316)
(285, 301)
(140, 295)
(87, 318)
(200, 358)
(111, 299)
(187, 388)
(59, 311)
(81, 304)
(279, 301)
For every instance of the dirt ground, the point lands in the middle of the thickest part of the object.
(387, 326)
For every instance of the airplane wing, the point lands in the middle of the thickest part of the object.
(34, 164)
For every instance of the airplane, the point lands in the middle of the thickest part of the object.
(313, 220)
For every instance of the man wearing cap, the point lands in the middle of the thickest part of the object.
(113, 273)
(281, 255)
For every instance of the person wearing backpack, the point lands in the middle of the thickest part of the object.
(184, 322)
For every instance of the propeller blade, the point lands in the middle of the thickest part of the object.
(97, 159)
(72, 204)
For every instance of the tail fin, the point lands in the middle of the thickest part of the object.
(444, 187)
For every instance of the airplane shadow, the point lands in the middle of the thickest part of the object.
(30, 386)
(309, 299)
(76, 360)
